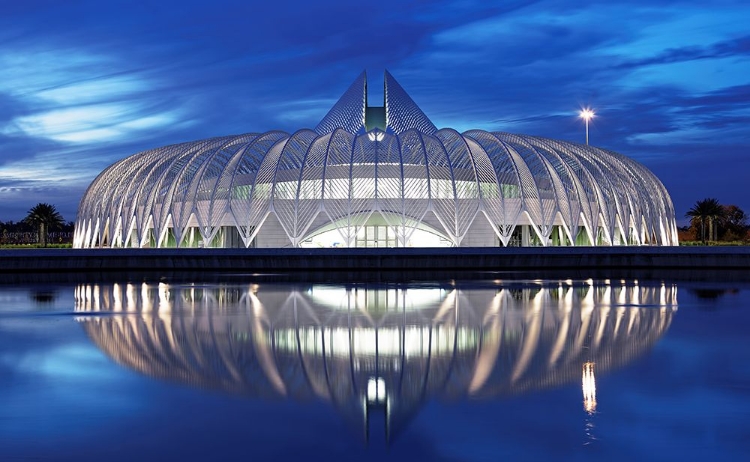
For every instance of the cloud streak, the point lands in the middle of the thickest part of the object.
(731, 48)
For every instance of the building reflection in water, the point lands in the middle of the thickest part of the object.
(379, 348)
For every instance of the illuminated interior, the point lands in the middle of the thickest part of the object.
(374, 231)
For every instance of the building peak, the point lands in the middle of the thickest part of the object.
(353, 113)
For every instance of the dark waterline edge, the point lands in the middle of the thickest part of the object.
(374, 265)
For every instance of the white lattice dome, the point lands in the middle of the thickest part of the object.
(375, 177)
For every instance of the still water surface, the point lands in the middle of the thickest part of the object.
(533, 370)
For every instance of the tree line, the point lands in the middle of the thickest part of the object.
(42, 225)
(711, 221)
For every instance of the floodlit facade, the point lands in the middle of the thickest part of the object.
(375, 176)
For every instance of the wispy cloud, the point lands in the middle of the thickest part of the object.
(92, 123)
(730, 48)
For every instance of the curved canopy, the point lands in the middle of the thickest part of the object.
(404, 171)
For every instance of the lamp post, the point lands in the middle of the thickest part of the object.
(586, 114)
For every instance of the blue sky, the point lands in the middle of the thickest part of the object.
(84, 83)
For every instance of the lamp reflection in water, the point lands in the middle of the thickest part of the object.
(588, 384)
(589, 388)
(384, 349)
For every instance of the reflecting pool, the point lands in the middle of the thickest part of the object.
(532, 369)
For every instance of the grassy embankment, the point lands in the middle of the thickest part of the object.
(36, 246)
(714, 243)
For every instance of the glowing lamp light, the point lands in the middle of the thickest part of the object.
(586, 114)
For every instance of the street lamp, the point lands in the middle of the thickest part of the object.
(586, 114)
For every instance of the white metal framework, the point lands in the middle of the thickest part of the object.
(375, 176)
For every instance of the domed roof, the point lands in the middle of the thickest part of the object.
(363, 162)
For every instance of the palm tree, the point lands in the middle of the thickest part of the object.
(45, 217)
(706, 211)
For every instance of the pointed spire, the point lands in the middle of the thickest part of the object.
(401, 112)
(349, 111)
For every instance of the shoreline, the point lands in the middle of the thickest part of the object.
(386, 264)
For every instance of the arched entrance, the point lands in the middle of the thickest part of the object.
(375, 231)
